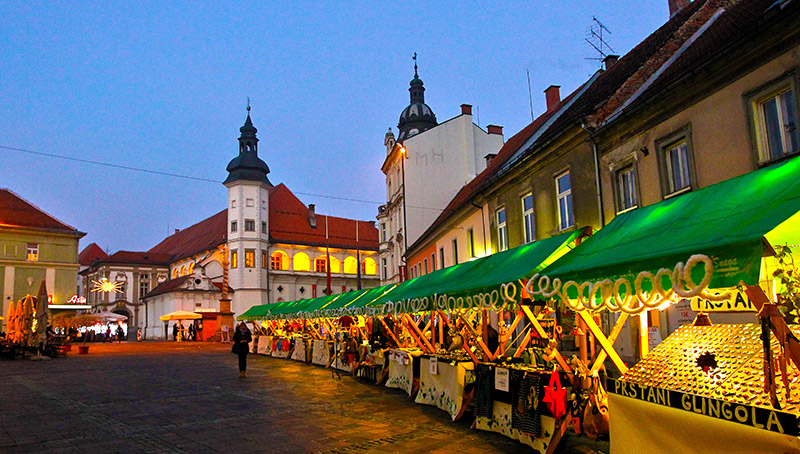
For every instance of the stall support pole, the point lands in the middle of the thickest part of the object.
(582, 350)
(644, 336)
(480, 342)
(601, 357)
(543, 334)
(391, 333)
(608, 347)
(418, 335)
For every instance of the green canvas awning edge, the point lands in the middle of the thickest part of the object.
(485, 274)
(727, 221)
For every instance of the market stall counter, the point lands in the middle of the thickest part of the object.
(443, 382)
(264, 345)
(710, 381)
(281, 347)
(404, 369)
(302, 349)
(321, 351)
(509, 401)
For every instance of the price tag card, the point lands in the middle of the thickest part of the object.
(501, 379)
(434, 363)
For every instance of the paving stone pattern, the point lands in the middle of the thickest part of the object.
(187, 398)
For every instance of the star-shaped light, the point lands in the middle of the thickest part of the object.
(107, 286)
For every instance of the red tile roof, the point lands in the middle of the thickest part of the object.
(206, 234)
(737, 26)
(91, 253)
(140, 258)
(288, 223)
(18, 212)
(610, 81)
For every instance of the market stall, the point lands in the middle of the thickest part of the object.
(715, 379)
(709, 378)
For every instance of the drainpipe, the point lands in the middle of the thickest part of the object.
(599, 187)
(483, 226)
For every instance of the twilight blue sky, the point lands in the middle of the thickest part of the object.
(162, 85)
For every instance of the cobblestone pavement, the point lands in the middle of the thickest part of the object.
(187, 398)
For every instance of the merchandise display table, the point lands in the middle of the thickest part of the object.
(442, 383)
(403, 369)
(301, 350)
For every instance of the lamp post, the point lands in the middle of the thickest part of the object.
(403, 157)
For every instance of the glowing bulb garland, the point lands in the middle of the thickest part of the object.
(605, 294)
(591, 296)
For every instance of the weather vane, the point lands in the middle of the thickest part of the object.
(415, 65)
(248, 104)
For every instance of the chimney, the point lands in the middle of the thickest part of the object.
(466, 109)
(489, 158)
(553, 96)
(676, 5)
(494, 129)
(312, 216)
(177, 230)
(610, 60)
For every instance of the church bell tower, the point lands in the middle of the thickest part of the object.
(248, 222)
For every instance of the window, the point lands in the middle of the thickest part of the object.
(383, 231)
(385, 269)
(263, 227)
(249, 225)
(455, 251)
(144, 284)
(370, 267)
(676, 166)
(625, 182)
(350, 265)
(302, 262)
(433, 262)
(425, 266)
(234, 259)
(264, 259)
(175, 273)
(470, 243)
(321, 265)
(33, 252)
(441, 257)
(564, 195)
(528, 226)
(248, 202)
(183, 271)
(233, 203)
(502, 230)
(233, 226)
(773, 114)
(279, 261)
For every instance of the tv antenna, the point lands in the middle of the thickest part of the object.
(595, 38)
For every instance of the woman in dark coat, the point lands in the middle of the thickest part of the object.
(241, 344)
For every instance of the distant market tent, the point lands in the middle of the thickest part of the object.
(180, 315)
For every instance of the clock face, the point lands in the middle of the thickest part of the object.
(413, 132)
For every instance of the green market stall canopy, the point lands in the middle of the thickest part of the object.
(733, 223)
(477, 283)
